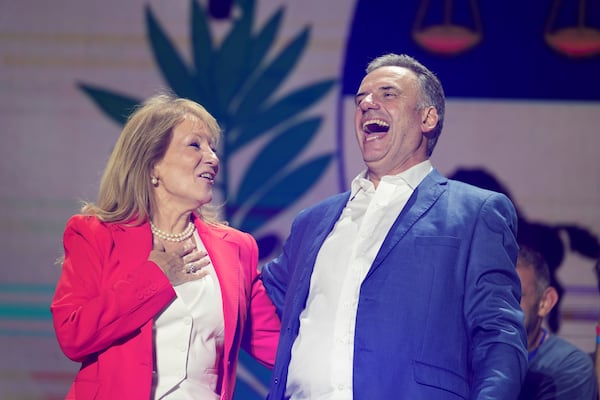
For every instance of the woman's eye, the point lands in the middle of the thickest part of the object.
(195, 144)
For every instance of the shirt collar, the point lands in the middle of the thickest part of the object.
(412, 176)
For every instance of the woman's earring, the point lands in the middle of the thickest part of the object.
(154, 181)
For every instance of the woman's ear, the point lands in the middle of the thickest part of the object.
(154, 176)
(548, 301)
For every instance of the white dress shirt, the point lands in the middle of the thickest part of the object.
(188, 340)
(322, 354)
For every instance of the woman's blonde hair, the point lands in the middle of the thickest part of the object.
(125, 193)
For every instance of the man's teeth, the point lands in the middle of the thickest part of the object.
(375, 125)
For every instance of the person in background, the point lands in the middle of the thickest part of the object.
(405, 286)
(155, 295)
(557, 369)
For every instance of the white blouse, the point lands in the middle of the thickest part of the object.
(188, 340)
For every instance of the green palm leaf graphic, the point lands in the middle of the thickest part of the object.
(264, 39)
(281, 150)
(236, 82)
(115, 106)
(282, 110)
(285, 191)
(202, 53)
(231, 58)
(273, 76)
(172, 66)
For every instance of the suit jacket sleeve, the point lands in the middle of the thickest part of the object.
(296, 261)
(102, 298)
(276, 274)
(261, 333)
(492, 310)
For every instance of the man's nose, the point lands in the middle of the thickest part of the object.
(368, 102)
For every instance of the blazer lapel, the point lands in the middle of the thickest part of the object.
(422, 199)
(224, 256)
(132, 243)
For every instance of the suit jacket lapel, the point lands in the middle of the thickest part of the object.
(424, 196)
(322, 224)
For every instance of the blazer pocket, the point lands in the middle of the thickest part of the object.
(441, 378)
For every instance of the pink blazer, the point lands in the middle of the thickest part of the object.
(108, 294)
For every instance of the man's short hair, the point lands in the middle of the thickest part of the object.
(533, 259)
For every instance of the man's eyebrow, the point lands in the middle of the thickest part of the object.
(358, 96)
(379, 89)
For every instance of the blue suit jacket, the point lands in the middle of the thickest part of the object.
(438, 314)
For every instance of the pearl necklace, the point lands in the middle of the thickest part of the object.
(174, 237)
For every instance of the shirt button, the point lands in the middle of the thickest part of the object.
(187, 320)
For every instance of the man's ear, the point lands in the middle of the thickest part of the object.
(429, 119)
(548, 301)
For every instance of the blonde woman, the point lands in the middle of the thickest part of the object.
(156, 296)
